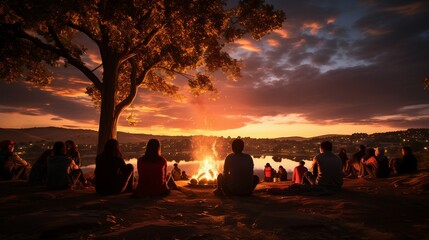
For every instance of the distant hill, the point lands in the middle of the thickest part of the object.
(81, 136)
(293, 138)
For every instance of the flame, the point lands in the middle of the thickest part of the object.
(207, 169)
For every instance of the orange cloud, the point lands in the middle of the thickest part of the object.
(273, 43)
(282, 33)
(330, 20)
(247, 45)
(313, 27)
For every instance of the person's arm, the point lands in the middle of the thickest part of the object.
(314, 166)
(17, 159)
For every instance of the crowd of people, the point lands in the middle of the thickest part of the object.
(60, 168)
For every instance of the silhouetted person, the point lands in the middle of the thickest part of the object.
(282, 173)
(12, 166)
(176, 173)
(112, 174)
(298, 173)
(408, 163)
(353, 167)
(344, 158)
(268, 173)
(152, 169)
(62, 170)
(383, 163)
(73, 152)
(326, 169)
(184, 176)
(369, 164)
(39, 171)
(237, 177)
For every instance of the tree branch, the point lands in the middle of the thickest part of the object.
(85, 31)
(133, 90)
(60, 52)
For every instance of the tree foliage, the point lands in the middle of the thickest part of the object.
(141, 43)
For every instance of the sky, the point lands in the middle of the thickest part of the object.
(335, 67)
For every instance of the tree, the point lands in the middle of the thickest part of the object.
(141, 44)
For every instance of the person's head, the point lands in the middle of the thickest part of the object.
(406, 151)
(281, 167)
(175, 165)
(7, 146)
(237, 145)
(59, 148)
(302, 163)
(153, 148)
(267, 165)
(71, 146)
(362, 148)
(379, 151)
(111, 148)
(370, 152)
(326, 146)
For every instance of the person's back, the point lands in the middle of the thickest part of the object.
(59, 168)
(329, 167)
(240, 169)
(298, 173)
(237, 177)
(39, 171)
(383, 167)
(176, 173)
(152, 170)
(151, 176)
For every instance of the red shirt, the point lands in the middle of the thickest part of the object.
(298, 173)
(152, 173)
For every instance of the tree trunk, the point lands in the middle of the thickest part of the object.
(108, 121)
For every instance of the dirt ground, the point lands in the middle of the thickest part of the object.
(393, 208)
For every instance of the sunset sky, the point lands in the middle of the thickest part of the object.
(335, 67)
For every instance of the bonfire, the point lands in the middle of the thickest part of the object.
(207, 173)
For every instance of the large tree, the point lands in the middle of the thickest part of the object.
(141, 44)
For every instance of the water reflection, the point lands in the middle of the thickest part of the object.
(191, 167)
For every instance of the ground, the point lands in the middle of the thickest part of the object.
(393, 208)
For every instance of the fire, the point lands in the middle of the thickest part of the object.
(207, 172)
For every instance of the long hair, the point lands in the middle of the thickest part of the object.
(153, 150)
(111, 148)
(73, 146)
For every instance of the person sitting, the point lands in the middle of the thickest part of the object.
(268, 173)
(12, 166)
(237, 177)
(73, 152)
(298, 173)
(326, 169)
(184, 176)
(353, 165)
(176, 173)
(383, 163)
(112, 174)
(369, 164)
(344, 158)
(63, 172)
(39, 171)
(282, 174)
(408, 163)
(152, 170)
